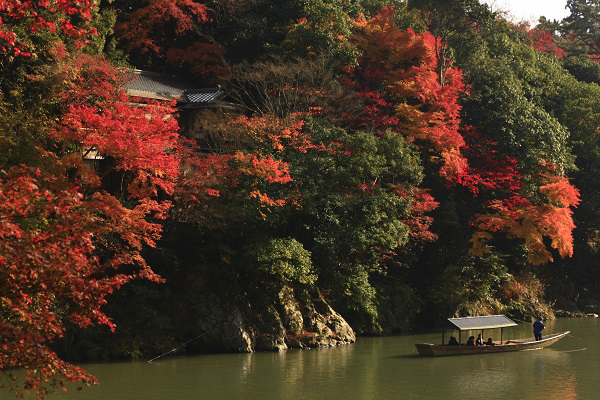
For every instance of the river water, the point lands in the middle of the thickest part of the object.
(373, 368)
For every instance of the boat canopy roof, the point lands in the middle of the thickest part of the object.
(484, 322)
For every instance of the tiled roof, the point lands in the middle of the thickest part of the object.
(204, 95)
(158, 86)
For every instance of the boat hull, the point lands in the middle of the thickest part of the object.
(436, 350)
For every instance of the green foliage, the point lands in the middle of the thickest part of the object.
(19, 135)
(511, 85)
(469, 286)
(448, 18)
(583, 69)
(350, 214)
(323, 29)
(579, 110)
(397, 302)
(285, 259)
(105, 41)
(584, 25)
(250, 29)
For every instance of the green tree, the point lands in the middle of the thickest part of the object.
(583, 24)
(353, 217)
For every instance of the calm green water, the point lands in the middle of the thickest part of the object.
(373, 368)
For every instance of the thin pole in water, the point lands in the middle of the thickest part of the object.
(176, 348)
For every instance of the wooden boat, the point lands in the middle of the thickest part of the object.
(482, 323)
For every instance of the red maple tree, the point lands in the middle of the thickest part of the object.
(59, 260)
(170, 31)
(70, 17)
(543, 41)
(67, 238)
(249, 177)
(406, 89)
(149, 20)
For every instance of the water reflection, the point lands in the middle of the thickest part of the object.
(535, 374)
(373, 368)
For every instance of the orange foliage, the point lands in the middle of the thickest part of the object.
(559, 190)
(267, 168)
(519, 218)
(272, 131)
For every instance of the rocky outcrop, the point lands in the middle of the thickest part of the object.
(280, 318)
(223, 325)
(574, 314)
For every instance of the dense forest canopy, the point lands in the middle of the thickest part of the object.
(399, 161)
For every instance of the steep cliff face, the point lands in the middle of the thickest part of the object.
(280, 318)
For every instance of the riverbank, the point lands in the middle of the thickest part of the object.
(574, 314)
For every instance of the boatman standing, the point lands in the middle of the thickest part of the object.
(538, 327)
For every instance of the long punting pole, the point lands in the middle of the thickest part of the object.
(501, 332)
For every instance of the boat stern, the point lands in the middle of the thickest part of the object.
(425, 349)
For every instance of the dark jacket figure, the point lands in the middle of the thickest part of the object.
(453, 341)
(489, 342)
(471, 341)
(538, 327)
(479, 341)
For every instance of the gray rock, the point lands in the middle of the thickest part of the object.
(287, 322)
(224, 326)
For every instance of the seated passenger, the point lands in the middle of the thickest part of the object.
(479, 341)
(489, 342)
(453, 341)
(471, 341)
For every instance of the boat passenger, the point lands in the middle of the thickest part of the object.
(479, 341)
(471, 341)
(453, 341)
(538, 327)
(489, 342)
